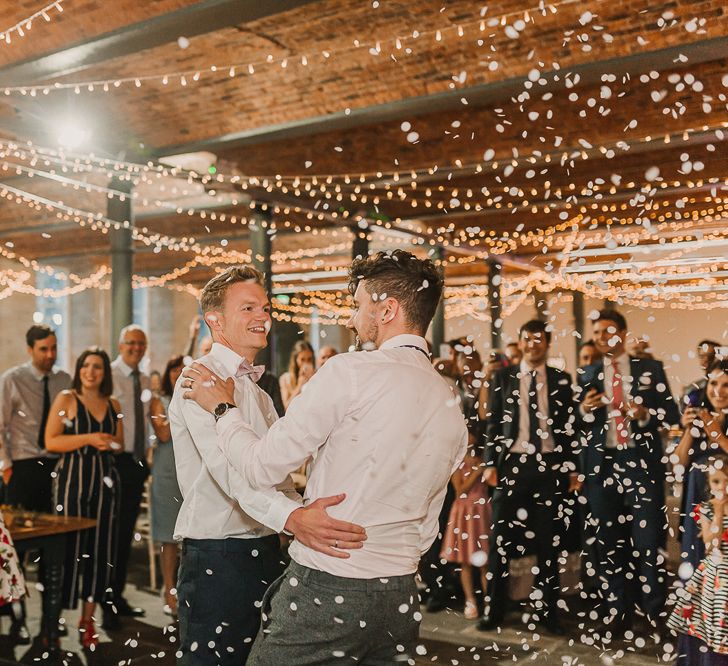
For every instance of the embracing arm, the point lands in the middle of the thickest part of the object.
(265, 462)
(268, 506)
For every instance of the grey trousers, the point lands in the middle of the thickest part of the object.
(311, 617)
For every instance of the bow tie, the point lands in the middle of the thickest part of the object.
(255, 372)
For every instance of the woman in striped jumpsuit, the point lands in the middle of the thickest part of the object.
(84, 427)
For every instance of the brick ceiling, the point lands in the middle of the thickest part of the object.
(595, 113)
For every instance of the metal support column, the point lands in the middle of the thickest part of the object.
(495, 279)
(541, 302)
(360, 244)
(260, 247)
(578, 312)
(122, 261)
(438, 321)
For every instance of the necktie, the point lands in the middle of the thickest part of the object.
(621, 431)
(44, 416)
(139, 448)
(245, 369)
(533, 421)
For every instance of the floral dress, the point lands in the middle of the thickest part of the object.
(12, 583)
(701, 609)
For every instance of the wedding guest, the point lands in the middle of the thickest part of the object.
(84, 426)
(588, 354)
(325, 353)
(705, 434)
(707, 350)
(698, 616)
(513, 353)
(131, 388)
(468, 526)
(530, 460)
(26, 394)
(166, 497)
(626, 402)
(300, 370)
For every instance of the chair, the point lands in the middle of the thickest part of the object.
(144, 526)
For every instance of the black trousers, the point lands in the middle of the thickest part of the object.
(31, 484)
(434, 573)
(132, 475)
(525, 514)
(220, 589)
(627, 505)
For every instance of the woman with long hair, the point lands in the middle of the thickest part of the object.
(705, 434)
(300, 370)
(85, 428)
(166, 497)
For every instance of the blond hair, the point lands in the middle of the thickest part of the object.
(212, 296)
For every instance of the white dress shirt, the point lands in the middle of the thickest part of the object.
(124, 393)
(382, 427)
(522, 444)
(212, 491)
(21, 410)
(624, 365)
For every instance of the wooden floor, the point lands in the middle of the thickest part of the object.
(446, 638)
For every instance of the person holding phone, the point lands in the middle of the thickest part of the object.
(625, 405)
(704, 434)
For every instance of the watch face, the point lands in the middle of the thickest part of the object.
(220, 409)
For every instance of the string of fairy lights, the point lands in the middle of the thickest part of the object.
(573, 232)
(398, 45)
(24, 26)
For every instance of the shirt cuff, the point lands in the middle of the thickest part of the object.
(280, 509)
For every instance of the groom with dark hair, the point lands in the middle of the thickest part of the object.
(383, 427)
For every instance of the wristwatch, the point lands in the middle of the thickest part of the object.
(222, 409)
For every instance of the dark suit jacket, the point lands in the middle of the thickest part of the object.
(504, 407)
(650, 383)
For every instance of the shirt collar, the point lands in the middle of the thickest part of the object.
(405, 339)
(37, 374)
(526, 369)
(125, 369)
(622, 359)
(229, 359)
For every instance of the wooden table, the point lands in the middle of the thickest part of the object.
(47, 533)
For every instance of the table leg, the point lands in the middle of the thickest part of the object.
(54, 549)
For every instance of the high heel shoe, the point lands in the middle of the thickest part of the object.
(87, 635)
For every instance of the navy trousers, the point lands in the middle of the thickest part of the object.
(627, 505)
(220, 589)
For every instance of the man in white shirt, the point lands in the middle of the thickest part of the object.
(131, 389)
(384, 427)
(626, 401)
(231, 554)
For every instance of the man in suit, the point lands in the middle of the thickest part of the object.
(530, 460)
(625, 403)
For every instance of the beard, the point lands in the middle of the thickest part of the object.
(366, 340)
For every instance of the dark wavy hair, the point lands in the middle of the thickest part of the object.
(415, 283)
(173, 363)
(107, 383)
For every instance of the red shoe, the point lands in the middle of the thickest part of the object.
(87, 635)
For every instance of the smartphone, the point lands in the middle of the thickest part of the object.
(693, 398)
